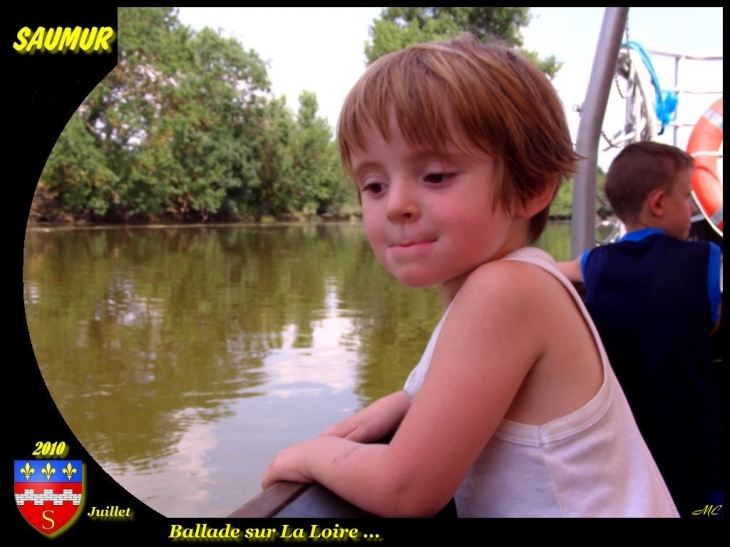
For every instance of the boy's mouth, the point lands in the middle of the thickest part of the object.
(412, 244)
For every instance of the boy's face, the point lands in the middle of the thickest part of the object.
(679, 206)
(429, 216)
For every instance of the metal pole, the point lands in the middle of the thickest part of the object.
(583, 232)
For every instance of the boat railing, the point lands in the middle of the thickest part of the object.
(297, 500)
(680, 88)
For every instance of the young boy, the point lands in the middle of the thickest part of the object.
(457, 150)
(655, 298)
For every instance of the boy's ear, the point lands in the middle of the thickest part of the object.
(538, 202)
(655, 203)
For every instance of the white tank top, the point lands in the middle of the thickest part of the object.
(591, 463)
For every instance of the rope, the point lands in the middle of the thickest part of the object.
(665, 104)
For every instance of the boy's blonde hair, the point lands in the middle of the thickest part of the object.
(501, 102)
(639, 169)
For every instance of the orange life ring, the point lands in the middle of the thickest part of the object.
(704, 144)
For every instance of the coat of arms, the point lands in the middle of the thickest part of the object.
(49, 493)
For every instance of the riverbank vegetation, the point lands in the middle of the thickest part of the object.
(186, 128)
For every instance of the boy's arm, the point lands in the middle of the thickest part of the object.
(572, 270)
(374, 422)
(483, 355)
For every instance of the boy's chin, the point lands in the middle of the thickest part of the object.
(412, 281)
(414, 284)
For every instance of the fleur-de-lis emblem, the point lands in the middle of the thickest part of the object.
(27, 471)
(48, 471)
(69, 471)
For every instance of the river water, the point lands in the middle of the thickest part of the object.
(184, 358)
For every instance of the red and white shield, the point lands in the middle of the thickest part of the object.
(49, 493)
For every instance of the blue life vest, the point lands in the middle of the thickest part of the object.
(654, 300)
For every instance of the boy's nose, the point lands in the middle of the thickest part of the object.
(402, 205)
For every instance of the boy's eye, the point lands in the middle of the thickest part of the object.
(436, 178)
(373, 187)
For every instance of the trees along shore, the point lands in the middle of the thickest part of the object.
(186, 128)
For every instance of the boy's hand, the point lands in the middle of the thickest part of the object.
(369, 425)
(359, 428)
(374, 422)
(287, 465)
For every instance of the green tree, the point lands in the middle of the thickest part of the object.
(112, 121)
(269, 193)
(562, 205)
(400, 27)
(117, 120)
(207, 125)
(319, 182)
(79, 172)
(171, 123)
(186, 127)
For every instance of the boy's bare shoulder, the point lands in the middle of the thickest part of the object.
(512, 278)
(513, 294)
(522, 286)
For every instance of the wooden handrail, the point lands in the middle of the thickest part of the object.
(271, 501)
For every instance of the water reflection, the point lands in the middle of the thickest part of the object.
(183, 358)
